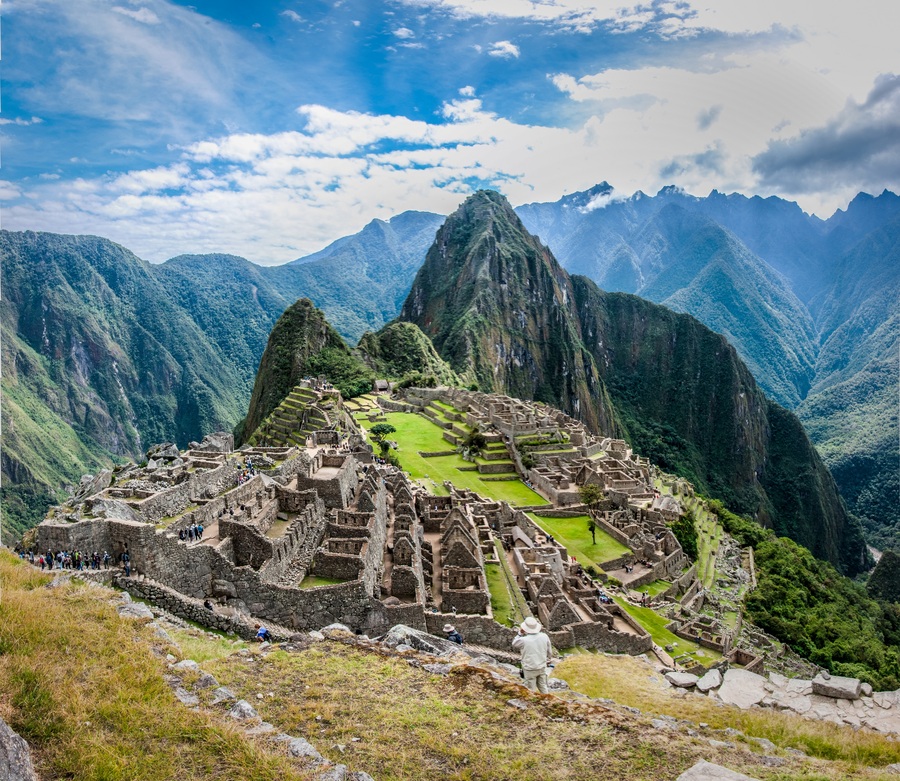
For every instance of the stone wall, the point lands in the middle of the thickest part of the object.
(340, 566)
(596, 635)
(476, 630)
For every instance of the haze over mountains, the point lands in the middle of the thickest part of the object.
(113, 353)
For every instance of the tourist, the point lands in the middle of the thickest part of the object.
(536, 652)
(452, 635)
(207, 604)
(263, 635)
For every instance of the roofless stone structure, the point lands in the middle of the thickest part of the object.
(317, 531)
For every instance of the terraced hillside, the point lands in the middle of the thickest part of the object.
(298, 415)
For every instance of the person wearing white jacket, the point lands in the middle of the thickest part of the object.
(536, 652)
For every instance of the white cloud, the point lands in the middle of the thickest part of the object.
(9, 191)
(163, 78)
(503, 49)
(404, 33)
(142, 15)
(21, 121)
(581, 15)
(292, 15)
(467, 92)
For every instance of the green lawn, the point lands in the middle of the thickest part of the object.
(574, 534)
(312, 581)
(654, 588)
(417, 433)
(655, 624)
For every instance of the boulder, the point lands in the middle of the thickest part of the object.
(335, 773)
(300, 747)
(712, 680)
(420, 641)
(707, 771)
(837, 686)
(15, 758)
(242, 711)
(682, 680)
(135, 610)
(742, 688)
(187, 664)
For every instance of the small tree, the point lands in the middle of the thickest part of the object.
(591, 495)
(473, 444)
(379, 433)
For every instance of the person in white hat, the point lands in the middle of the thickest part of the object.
(452, 635)
(536, 653)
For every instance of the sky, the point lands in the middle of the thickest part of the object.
(269, 129)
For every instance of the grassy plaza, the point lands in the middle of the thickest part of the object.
(416, 433)
(574, 535)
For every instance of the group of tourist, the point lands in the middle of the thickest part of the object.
(247, 472)
(75, 560)
(192, 533)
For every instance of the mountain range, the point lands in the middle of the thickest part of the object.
(110, 353)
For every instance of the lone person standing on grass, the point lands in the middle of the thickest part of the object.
(536, 653)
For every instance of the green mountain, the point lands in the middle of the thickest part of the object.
(492, 298)
(809, 304)
(301, 344)
(400, 351)
(98, 362)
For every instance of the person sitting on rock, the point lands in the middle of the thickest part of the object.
(263, 635)
(452, 635)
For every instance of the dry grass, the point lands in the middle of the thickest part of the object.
(83, 687)
(632, 682)
(378, 714)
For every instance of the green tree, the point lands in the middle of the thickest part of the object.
(474, 443)
(685, 531)
(379, 433)
(591, 495)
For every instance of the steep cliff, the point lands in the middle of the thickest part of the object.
(496, 304)
(98, 362)
(690, 404)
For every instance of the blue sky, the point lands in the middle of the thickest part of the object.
(268, 129)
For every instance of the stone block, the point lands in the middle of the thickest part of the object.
(741, 688)
(682, 680)
(837, 686)
(712, 680)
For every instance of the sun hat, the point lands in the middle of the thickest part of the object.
(449, 628)
(531, 626)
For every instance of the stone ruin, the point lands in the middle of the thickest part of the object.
(313, 531)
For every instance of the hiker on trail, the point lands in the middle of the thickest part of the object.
(452, 635)
(536, 652)
(263, 635)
